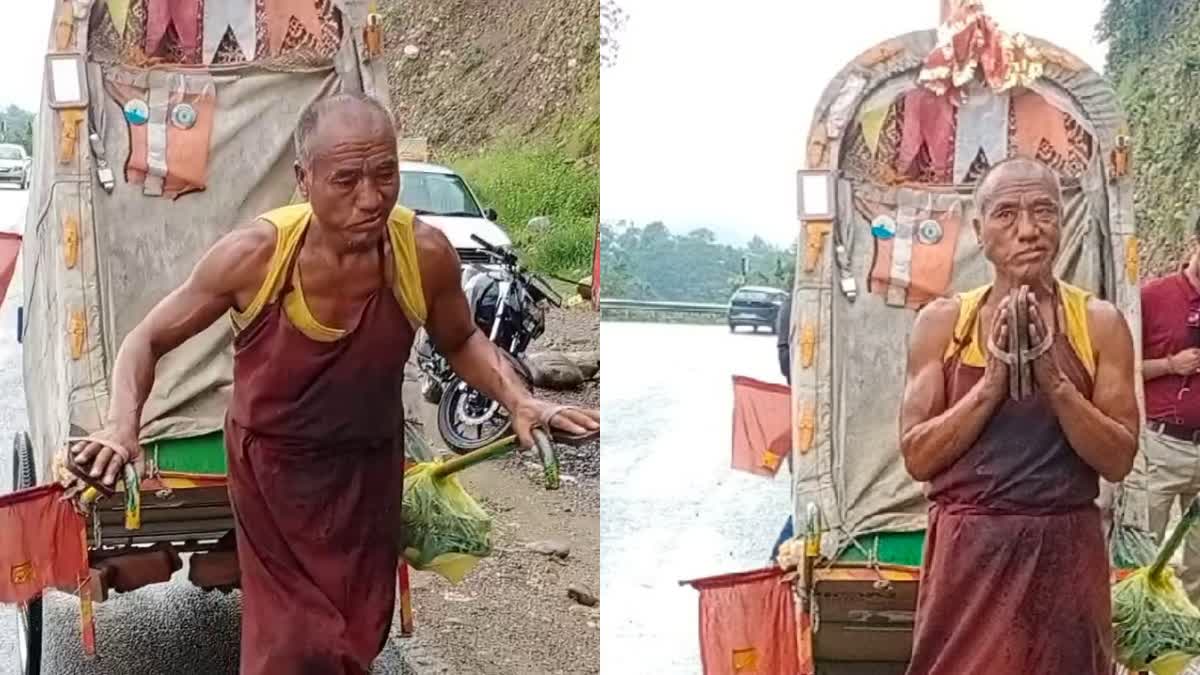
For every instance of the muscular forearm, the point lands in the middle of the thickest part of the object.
(1152, 369)
(481, 365)
(932, 446)
(133, 378)
(1104, 443)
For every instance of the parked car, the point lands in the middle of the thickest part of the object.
(444, 200)
(14, 165)
(755, 306)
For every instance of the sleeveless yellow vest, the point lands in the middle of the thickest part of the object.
(290, 223)
(1074, 310)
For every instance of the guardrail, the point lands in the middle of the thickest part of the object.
(663, 306)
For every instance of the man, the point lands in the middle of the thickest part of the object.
(1015, 576)
(1171, 353)
(783, 335)
(325, 299)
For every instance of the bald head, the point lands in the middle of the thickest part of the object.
(1016, 174)
(338, 112)
(1019, 206)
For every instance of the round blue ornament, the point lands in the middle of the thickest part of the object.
(883, 227)
(137, 112)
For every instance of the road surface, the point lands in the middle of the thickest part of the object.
(671, 508)
(165, 629)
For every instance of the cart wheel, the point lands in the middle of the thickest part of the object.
(24, 475)
(29, 617)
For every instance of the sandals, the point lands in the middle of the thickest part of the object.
(562, 437)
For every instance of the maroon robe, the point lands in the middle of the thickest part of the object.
(315, 471)
(1016, 577)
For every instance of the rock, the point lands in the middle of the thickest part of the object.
(444, 53)
(584, 287)
(587, 362)
(452, 621)
(412, 51)
(571, 63)
(581, 594)
(550, 547)
(553, 370)
(539, 223)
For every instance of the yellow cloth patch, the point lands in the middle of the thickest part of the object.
(1074, 309)
(290, 223)
(745, 660)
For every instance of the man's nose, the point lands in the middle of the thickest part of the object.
(369, 196)
(1027, 228)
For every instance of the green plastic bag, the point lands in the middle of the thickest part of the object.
(1155, 626)
(446, 531)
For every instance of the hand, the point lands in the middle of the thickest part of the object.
(1185, 362)
(1046, 370)
(106, 459)
(531, 412)
(995, 372)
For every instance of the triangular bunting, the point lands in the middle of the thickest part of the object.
(118, 11)
(1036, 120)
(279, 15)
(872, 125)
(222, 15)
(929, 122)
(982, 126)
(183, 14)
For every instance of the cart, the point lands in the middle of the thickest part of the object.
(885, 205)
(155, 138)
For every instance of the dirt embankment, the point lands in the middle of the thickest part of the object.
(465, 72)
(513, 615)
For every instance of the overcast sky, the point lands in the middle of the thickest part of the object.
(24, 34)
(704, 115)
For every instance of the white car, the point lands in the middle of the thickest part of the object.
(14, 165)
(444, 200)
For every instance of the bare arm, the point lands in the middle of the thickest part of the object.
(1152, 369)
(933, 437)
(233, 265)
(1104, 430)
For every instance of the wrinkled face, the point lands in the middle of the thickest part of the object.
(353, 175)
(1019, 221)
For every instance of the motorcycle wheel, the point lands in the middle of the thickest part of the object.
(461, 436)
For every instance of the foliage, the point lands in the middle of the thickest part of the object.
(17, 127)
(527, 181)
(612, 18)
(553, 174)
(651, 263)
(1154, 63)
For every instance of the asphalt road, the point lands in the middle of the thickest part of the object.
(671, 508)
(166, 629)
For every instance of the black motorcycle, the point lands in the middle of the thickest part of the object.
(507, 302)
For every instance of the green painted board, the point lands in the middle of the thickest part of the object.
(896, 548)
(198, 454)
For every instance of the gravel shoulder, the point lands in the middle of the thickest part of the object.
(513, 615)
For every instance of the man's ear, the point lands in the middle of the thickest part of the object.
(301, 179)
(977, 225)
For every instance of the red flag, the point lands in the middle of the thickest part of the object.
(762, 415)
(10, 250)
(43, 544)
(747, 623)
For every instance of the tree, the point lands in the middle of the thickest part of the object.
(651, 263)
(16, 126)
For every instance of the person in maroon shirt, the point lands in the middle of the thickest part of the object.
(1171, 370)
